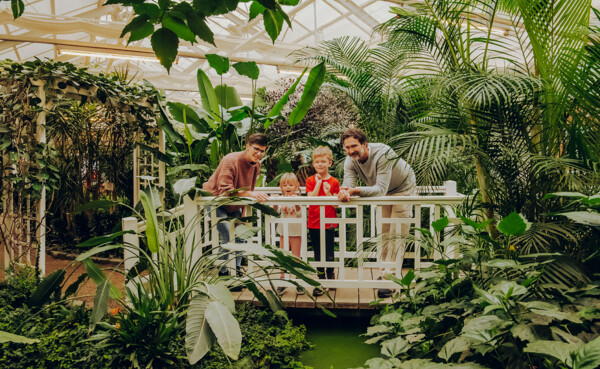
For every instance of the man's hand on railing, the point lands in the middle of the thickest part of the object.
(345, 193)
(259, 196)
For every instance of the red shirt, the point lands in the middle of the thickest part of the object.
(314, 212)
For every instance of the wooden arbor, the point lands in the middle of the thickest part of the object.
(27, 178)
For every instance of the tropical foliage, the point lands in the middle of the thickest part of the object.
(519, 107)
(493, 307)
(168, 21)
(199, 137)
(57, 335)
(91, 125)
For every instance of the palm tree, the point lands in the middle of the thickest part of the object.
(370, 77)
(520, 108)
(518, 121)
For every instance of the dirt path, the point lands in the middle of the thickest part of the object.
(87, 290)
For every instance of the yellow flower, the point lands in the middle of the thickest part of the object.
(114, 311)
(118, 325)
(511, 248)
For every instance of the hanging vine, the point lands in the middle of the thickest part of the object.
(91, 123)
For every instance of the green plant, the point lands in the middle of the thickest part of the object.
(268, 341)
(490, 308)
(200, 136)
(43, 336)
(371, 78)
(186, 20)
(175, 288)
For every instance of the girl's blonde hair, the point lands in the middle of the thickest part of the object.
(291, 179)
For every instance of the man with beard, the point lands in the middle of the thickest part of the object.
(378, 166)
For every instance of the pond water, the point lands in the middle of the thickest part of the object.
(338, 344)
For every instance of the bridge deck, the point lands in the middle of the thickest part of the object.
(340, 298)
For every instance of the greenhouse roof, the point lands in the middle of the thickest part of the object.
(81, 31)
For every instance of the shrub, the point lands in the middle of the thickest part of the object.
(268, 341)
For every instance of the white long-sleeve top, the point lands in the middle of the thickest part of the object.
(383, 172)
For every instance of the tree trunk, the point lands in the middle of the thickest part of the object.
(484, 188)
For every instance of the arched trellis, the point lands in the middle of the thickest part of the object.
(23, 227)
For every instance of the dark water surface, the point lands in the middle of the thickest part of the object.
(338, 344)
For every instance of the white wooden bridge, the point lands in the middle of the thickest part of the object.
(360, 222)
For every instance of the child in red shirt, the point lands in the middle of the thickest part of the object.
(322, 184)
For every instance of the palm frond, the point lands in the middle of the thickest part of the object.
(541, 237)
(430, 151)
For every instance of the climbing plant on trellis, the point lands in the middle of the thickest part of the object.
(51, 114)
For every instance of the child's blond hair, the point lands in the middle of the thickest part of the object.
(291, 179)
(322, 151)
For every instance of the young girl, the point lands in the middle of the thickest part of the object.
(290, 187)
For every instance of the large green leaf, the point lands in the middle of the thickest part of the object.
(575, 195)
(100, 302)
(219, 63)
(179, 27)
(199, 337)
(311, 88)
(255, 9)
(440, 224)
(17, 7)
(244, 231)
(194, 115)
(584, 217)
(227, 96)
(98, 276)
(141, 32)
(149, 9)
(9, 337)
(152, 230)
(207, 93)
(276, 109)
(452, 347)
(221, 293)
(225, 327)
(513, 224)
(506, 289)
(248, 69)
(559, 350)
(101, 240)
(96, 250)
(184, 185)
(395, 347)
(197, 24)
(135, 24)
(165, 43)
(588, 356)
(46, 288)
(273, 22)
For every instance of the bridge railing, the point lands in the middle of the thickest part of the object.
(358, 256)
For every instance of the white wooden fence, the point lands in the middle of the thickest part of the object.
(360, 222)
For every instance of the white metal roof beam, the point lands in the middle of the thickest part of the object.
(359, 12)
(262, 32)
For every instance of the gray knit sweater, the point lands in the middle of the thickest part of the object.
(383, 172)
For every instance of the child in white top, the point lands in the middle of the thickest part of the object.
(290, 186)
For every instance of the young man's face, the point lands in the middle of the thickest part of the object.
(321, 164)
(354, 149)
(255, 152)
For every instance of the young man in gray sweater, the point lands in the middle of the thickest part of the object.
(384, 174)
